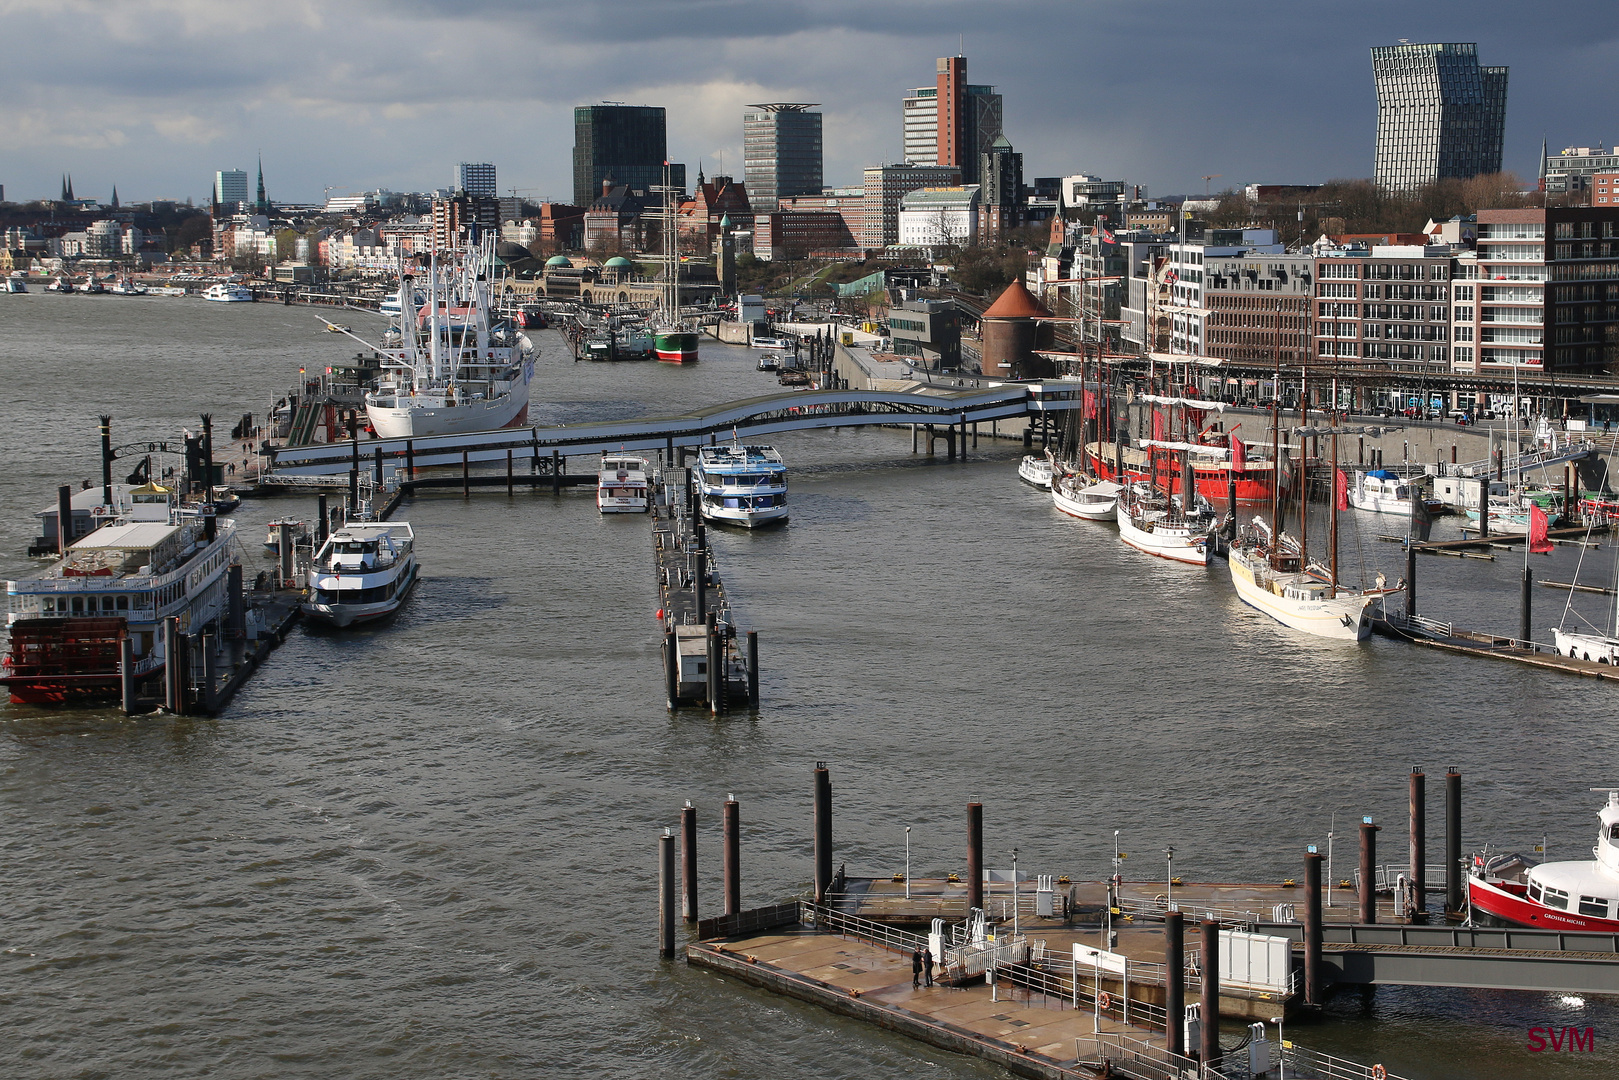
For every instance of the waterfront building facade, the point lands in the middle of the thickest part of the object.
(885, 185)
(627, 142)
(939, 217)
(1439, 114)
(781, 152)
(1576, 170)
(1385, 304)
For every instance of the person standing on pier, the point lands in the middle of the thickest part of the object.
(916, 969)
(927, 967)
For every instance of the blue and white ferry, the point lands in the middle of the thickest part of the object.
(742, 485)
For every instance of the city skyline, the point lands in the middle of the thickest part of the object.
(157, 98)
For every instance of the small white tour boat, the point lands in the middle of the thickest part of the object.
(16, 283)
(772, 343)
(1580, 894)
(621, 485)
(1081, 497)
(1151, 522)
(297, 530)
(1382, 491)
(741, 485)
(364, 571)
(770, 361)
(228, 292)
(1035, 469)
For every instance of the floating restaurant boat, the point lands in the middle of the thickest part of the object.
(228, 292)
(363, 572)
(121, 581)
(1035, 469)
(621, 485)
(1078, 496)
(741, 485)
(1575, 895)
(1152, 522)
(453, 369)
(1383, 491)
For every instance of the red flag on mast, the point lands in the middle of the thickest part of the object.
(1341, 489)
(1538, 525)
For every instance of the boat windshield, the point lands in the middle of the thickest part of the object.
(354, 547)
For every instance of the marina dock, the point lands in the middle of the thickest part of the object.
(703, 662)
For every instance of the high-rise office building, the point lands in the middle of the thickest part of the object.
(476, 178)
(1439, 114)
(230, 189)
(885, 186)
(951, 122)
(781, 153)
(627, 142)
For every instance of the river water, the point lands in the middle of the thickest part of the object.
(428, 849)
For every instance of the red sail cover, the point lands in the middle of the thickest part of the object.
(1090, 405)
(1157, 425)
(1239, 455)
(1538, 523)
(1341, 489)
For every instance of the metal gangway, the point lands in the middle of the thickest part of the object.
(750, 418)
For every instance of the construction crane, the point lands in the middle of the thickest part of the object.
(1206, 179)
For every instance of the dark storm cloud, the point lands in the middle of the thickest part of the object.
(155, 94)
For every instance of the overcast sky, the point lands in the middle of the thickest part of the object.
(154, 95)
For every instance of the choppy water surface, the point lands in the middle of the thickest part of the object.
(428, 849)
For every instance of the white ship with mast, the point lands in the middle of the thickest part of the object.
(454, 369)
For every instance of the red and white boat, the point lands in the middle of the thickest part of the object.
(1580, 895)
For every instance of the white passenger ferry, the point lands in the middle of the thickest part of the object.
(621, 485)
(228, 293)
(364, 571)
(742, 485)
(120, 581)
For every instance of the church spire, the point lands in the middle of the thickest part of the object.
(263, 206)
(115, 196)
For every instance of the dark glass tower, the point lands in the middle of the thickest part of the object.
(1439, 114)
(626, 141)
(781, 153)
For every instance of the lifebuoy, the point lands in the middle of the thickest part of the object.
(1104, 1000)
(1379, 1073)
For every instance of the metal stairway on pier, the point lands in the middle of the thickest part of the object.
(304, 423)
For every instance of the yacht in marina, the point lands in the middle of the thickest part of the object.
(228, 292)
(151, 563)
(1153, 522)
(1035, 469)
(1383, 491)
(363, 572)
(1079, 496)
(1270, 575)
(621, 485)
(741, 485)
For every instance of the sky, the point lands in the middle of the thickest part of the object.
(155, 95)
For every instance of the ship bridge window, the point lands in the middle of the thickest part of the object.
(78, 605)
(1534, 889)
(123, 603)
(1613, 831)
(1594, 905)
(1556, 898)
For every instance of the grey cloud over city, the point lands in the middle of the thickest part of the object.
(153, 95)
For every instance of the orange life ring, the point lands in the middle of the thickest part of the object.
(1379, 1073)
(1104, 1000)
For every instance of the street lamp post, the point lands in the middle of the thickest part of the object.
(1014, 893)
(1281, 1045)
(1169, 877)
(1332, 826)
(907, 862)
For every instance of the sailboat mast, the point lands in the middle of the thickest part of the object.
(1332, 540)
(1304, 457)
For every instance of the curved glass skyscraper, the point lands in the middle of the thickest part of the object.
(1439, 114)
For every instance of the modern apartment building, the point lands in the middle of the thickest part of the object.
(477, 179)
(885, 186)
(1439, 114)
(627, 142)
(1576, 170)
(1239, 295)
(1385, 305)
(951, 122)
(1542, 290)
(230, 190)
(781, 152)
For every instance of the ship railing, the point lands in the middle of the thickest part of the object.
(1195, 909)
(829, 920)
(1386, 876)
(1130, 1056)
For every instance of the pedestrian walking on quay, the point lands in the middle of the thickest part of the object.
(927, 967)
(916, 969)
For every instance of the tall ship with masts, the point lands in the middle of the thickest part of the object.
(455, 368)
(674, 339)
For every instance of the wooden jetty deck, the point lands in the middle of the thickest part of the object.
(1023, 1030)
(1440, 635)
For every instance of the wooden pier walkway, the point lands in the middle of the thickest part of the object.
(1438, 635)
(702, 659)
